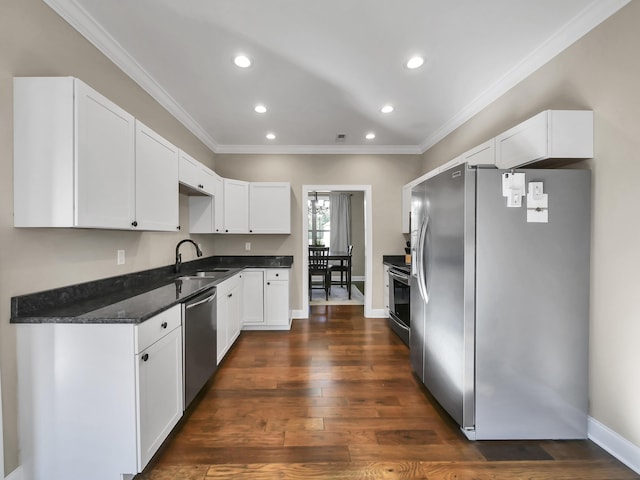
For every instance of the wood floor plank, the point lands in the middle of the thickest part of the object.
(335, 398)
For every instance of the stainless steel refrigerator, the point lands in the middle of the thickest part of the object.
(500, 299)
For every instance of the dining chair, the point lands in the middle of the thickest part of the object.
(319, 266)
(344, 267)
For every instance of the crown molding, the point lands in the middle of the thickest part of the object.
(321, 149)
(84, 23)
(594, 14)
(590, 17)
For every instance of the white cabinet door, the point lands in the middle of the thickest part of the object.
(229, 313)
(104, 161)
(73, 156)
(550, 134)
(218, 205)
(160, 395)
(385, 293)
(253, 295)
(523, 143)
(236, 206)
(156, 181)
(194, 174)
(277, 298)
(483, 154)
(270, 207)
(277, 302)
(235, 313)
(222, 314)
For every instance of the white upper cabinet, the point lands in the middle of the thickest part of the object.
(74, 155)
(270, 207)
(236, 206)
(195, 175)
(156, 181)
(483, 154)
(550, 134)
(82, 161)
(257, 207)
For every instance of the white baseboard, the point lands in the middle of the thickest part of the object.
(358, 278)
(376, 313)
(618, 446)
(15, 475)
(299, 314)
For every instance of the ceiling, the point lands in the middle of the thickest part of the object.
(324, 68)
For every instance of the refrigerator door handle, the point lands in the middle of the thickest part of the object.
(421, 272)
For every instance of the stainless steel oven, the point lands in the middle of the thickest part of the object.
(400, 303)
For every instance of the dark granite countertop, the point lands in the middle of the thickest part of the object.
(134, 297)
(396, 261)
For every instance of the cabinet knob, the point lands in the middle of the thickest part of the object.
(250, 231)
(178, 227)
(230, 295)
(163, 324)
(134, 223)
(277, 274)
(226, 230)
(145, 357)
(268, 283)
(201, 186)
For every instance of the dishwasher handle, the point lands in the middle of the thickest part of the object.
(206, 300)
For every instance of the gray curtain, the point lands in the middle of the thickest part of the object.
(340, 221)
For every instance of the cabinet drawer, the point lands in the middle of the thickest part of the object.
(277, 274)
(153, 329)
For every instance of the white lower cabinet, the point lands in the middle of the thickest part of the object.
(229, 313)
(385, 293)
(160, 394)
(253, 297)
(90, 405)
(267, 302)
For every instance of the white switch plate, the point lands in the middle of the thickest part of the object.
(247, 246)
(120, 257)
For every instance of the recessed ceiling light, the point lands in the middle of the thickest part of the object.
(260, 109)
(242, 61)
(370, 136)
(387, 109)
(271, 136)
(414, 62)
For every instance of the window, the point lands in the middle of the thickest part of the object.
(318, 208)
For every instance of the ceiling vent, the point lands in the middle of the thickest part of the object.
(341, 137)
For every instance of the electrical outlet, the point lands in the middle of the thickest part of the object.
(247, 246)
(120, 257)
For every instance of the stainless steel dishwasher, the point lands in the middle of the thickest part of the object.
(199, 337)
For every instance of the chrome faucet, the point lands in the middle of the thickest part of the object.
(179, 255)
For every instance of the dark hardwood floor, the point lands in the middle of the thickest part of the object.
(335, 398)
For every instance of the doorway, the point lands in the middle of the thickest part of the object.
(367, 214)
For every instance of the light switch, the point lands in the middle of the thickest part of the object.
(120, 257)
(247, 246)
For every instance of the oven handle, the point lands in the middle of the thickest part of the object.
(399, 323)
(402, 277)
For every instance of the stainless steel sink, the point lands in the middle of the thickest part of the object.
(206, 273)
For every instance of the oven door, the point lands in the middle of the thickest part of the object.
(399, 304)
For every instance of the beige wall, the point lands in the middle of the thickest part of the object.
(600, 72)
(385, 173)
(34, 41)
